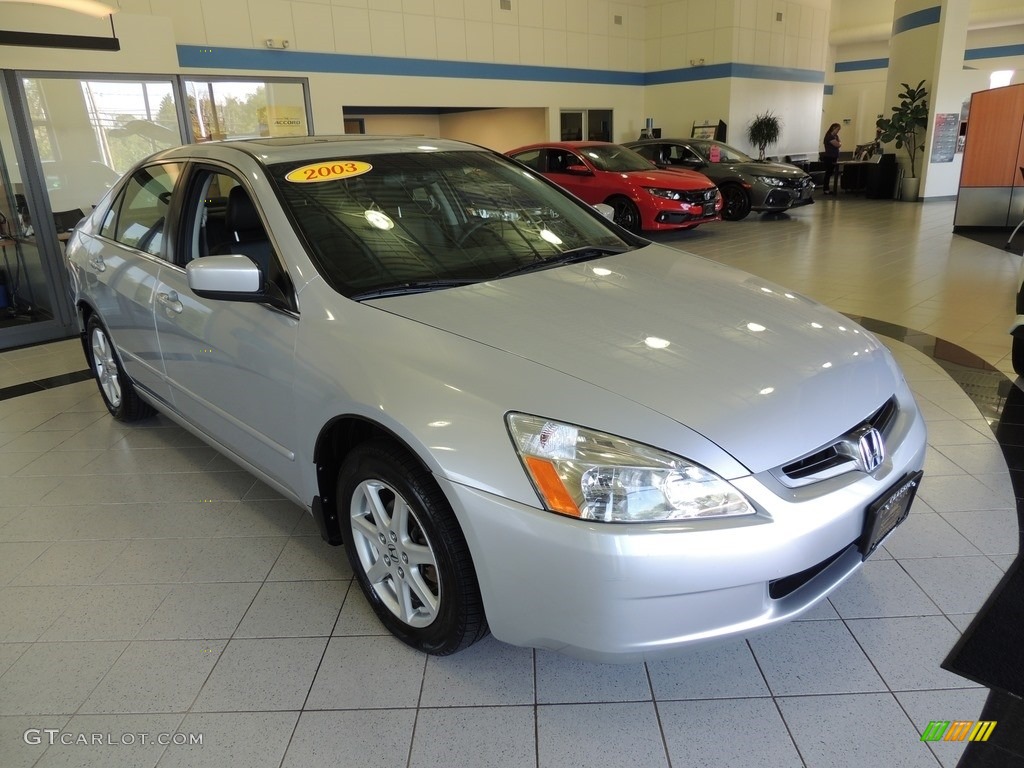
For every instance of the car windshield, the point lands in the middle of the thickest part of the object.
(433, 220)
(612, 157)
(726, 154)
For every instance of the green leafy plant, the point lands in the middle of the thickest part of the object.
(908, 123)
(763, 131)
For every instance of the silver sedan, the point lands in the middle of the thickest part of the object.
(516, 416)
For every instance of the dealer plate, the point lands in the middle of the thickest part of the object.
(887, 512)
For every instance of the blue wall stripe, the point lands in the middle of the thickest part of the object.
(922, 18)
(858, 66)
(994, 52)
(830, 90)
(299, 61)
(748, 71)
(341, 63)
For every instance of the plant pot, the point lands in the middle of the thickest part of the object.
(909, 187)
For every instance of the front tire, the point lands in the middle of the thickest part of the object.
(626, 215)
(116, 388)
(737, 202)
(407, 550)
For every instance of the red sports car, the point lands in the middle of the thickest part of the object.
(643, 196)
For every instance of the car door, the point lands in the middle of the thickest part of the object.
(229, 363)
(586, 186)
(123, 263)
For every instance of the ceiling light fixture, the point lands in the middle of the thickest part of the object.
(88, 7)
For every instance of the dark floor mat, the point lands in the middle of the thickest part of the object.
(994, 236)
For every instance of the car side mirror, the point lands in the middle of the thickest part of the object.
(605, 210)
(230, 277)
(579, 170)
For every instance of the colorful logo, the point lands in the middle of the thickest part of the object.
(958, 730)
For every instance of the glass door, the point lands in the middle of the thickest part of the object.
(33, 303)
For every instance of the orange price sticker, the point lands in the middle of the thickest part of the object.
(330, 170)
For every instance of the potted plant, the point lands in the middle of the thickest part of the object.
(763, 131)
(906, 127)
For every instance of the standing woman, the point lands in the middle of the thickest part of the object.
(831, 154)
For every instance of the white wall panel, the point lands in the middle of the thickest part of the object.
(531, 13)
(576, 49)
(531, 46)
(701, 17)
(270, 19)
(418, 7)
(598, 17)
(506, 44)
(393, 6)
(478, 10)
(451, 39)
(449, 9)
(555, 45)
(479, 40)
(420, 40)
(351, 30)
(227, 23)
(618, 54)
(723, 48)
(314, 27)
(597, 52)
(387, 33)
(186, 17)
(554, 14)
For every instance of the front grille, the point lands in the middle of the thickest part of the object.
(697, 197)
(829, 459)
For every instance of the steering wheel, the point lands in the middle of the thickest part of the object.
(476, 226)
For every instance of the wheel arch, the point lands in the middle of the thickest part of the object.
(333, 444)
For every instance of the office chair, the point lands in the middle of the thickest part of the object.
(1019, 224)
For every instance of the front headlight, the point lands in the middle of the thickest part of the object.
(771, 181)
(668, 194)
(597, 476)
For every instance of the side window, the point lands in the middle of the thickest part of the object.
(221, 218)
(531, 159)
(142, 214)
(679, 154)
(648, 151)
(560, 160)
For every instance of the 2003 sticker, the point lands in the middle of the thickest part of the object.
(331, 170)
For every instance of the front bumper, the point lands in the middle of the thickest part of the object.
(782, 199)
(624, 593)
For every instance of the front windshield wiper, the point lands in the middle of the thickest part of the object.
(413, 286)
(572, 256)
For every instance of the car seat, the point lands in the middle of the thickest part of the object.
(248, 237)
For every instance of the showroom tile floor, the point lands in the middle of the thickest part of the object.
(147, 586)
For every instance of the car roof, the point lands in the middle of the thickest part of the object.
(564, 145)
(283, 149)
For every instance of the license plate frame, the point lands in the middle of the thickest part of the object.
(889, 510)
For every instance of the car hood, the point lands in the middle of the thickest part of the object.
(775, 170)
(764, 373)
(657, 177)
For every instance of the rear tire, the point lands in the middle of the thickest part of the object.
(407, 550)
(116, 388)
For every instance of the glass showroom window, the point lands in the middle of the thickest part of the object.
(235, 109)
(90, 131)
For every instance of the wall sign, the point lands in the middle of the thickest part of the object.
(947, 128)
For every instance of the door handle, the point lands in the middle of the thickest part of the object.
(97, 263)
(170, 300)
